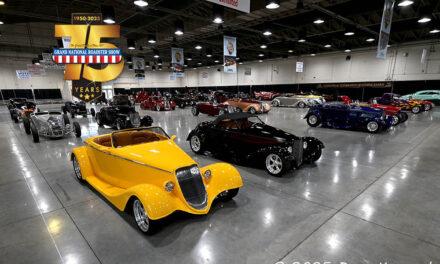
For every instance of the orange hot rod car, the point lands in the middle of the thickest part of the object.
(249, 105)
(142, 171)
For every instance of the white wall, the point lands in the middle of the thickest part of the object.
(402, 63)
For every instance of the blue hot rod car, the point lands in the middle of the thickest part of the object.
(338, 115)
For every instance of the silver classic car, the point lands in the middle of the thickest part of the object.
(51, 125)
(300, 101)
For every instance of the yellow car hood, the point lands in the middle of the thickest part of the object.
(164, 155)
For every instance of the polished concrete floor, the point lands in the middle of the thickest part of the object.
(369, 199)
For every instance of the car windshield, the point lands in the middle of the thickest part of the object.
(138, 136)
(240, 124)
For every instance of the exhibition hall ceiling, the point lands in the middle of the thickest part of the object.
(294, 28)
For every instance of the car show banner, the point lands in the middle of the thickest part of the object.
(385, 29)
(177, 62)
(230, 54)
(23, 74)
(299, 66)
(241, 5)
(36, 70)
(88, 60)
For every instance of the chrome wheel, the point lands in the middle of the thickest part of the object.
(415, 109)
(395, 120)
(373, 126)
(195, 143)
(221, 112)
(77, 169)
(140, 216)
(276, 103)
(223, 194)
(313, 119)
(274, 164)
(301, 105)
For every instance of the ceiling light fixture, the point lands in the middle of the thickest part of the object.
(108, 14)
(131, 44)
(313, 54)
(272, 4)
(260, 61)
(301, 40)
(434, 31)
(424, 19)
(240, 63)
(216, 61)
(1, 22)
(261, 55)
(179, 28)
(140, 3)
(349, 33)
(263, 46)
(199, 63)
(290, 51)
(267, 32)
(198, 47)
(347, 50)
(2, 3)
(318, 21)
(328, 46)
(370, 40)
(406, 3)
(218, 13)
(152, 38)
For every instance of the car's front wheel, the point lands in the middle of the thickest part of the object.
(77, 169)
(428, 107)
(395, 121)
(195, 111)
(313, 120)
(27, 125)
(34, 131)
(276, 165)
(77, 129)
(415, 110)
(373, 127)
(195, 143)
(275, 103)
(120, 124)
(252, 110)
(301, 105)
(227, 195)
(144, 223)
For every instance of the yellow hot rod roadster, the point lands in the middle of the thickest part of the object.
(144, 172)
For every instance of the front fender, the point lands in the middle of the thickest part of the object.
(84, 162)
(223, 177)
(312, 111)
(314, 142)
(157, 202)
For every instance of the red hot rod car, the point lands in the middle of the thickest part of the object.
(158, 104)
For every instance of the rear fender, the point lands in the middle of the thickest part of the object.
(223, 177)
(84, 162)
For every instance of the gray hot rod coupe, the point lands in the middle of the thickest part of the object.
(51, 125)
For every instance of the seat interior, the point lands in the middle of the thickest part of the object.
(134, 137)
(105, 141)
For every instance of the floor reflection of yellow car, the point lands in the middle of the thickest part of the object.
(142, 171)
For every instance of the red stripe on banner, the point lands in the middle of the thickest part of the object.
(95, 59)
(71, 58)
(64, 59)
(118, 58)
(102, 59)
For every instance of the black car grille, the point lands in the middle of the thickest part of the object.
(298, 149)
(192, 186)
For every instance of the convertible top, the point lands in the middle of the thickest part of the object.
(233, 116)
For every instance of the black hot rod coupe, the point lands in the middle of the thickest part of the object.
(76, 108)
(121, 117)
(243, 137)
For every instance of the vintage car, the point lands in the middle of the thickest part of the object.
(395, 112)
(20, 108)
(76, 108)
(158, 103)
(269, 96)
(141, 96)
(432, 96)
(212, 109)
(220, 96)
(394, 100)
(121, 117)
(100, 100)
(121, 99)
(300, 101)
(342, 116)
(249, 105)
(50, 125)
(344, 99)
(243, 137)
(183, 100)
(144, 172)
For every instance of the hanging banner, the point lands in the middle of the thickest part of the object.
(385, 29)
(36, 70)
(241, 5)
(23, 74)
(230, 54)
(299, 66)
(138, 63)
(177, 62)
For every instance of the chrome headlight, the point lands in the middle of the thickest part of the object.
(169, 186)
(195, 171)
(305, 144)
(207, 174)
(290, 149)
(127, 118)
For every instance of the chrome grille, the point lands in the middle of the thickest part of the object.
(135, 119)
(298, 149)
(191, 184)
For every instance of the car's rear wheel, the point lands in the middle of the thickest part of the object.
(77, 169)
(93, 112)
(14, 117)
(313, 120)
(403, 117)
(252, 110)
(27, 125)
(415, 110)
(195, 143)
(276, 165)
(195, 111)
(276, 103)
(77, 129)
(428, 107)
(144, 223)
(373, 127)
(301, 105)
(227, 195)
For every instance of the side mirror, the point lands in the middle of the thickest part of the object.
(173, 137)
